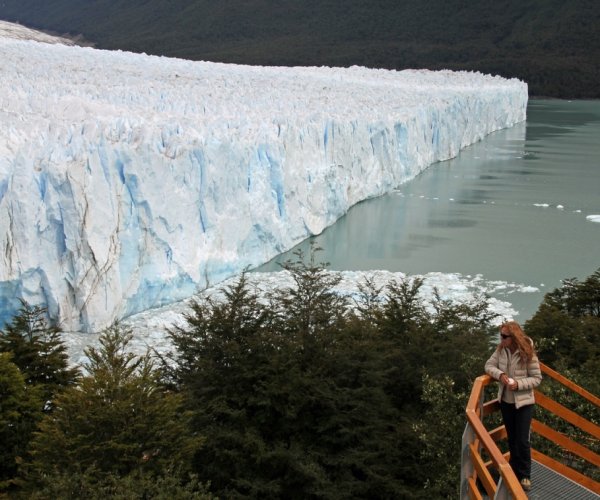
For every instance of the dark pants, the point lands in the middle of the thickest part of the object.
(518, 425)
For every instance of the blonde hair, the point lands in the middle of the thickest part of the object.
(523, 342)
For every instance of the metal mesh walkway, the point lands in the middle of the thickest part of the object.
(549, 485)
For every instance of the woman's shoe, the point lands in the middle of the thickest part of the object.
(526, 484)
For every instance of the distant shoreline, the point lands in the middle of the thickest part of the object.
(548, 98)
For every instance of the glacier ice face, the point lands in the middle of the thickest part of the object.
(129, 181)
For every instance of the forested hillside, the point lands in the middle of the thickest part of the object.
(551, 44)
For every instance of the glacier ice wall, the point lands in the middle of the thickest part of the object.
(128, 181)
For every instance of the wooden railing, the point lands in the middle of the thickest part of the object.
(484, 466)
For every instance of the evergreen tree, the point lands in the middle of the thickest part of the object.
(423, 341)
(403, 311)
(433, 354)
(20, 410)
(139, 485)
(577, 298)
(117, 421)
(566, 329)
(217, 333)
(439, 431)
(290, 400)
(38, 350)
(311, 306)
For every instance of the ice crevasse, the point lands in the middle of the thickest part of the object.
(130, 181)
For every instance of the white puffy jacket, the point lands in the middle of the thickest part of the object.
(527, 375)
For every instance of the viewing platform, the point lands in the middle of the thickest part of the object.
(565, 459)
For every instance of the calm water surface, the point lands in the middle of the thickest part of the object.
(512, 208)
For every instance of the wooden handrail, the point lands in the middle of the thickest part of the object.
(566, 443)
(488, 443)
(566, 471)
(482, 472)
(566, 414)
(477, 409)
(570, 385)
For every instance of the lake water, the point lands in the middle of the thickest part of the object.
(509, 211)
(512, 208)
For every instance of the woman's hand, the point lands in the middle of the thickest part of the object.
(509, 382)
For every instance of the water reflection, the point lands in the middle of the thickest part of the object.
(542, 113)
(512, 207)
(451, 223)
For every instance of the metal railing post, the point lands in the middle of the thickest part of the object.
(466, 465)
(502, 493)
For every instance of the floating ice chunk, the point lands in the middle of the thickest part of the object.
(545, 205)
(560, 207)
(149, 327)
(593, 218)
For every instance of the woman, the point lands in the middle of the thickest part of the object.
(515, 365)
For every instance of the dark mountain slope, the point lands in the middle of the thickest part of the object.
(552, 44)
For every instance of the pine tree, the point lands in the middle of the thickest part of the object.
(566, 330)
(289, 396)
(439, 431)
(38, 350)
(139, 485)
(118, 420)
(20, 410)
(310, 306)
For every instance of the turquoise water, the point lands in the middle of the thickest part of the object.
(511, 208)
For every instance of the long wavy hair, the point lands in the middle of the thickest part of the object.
(523, 342)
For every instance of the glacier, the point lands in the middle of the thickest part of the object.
(128, 181)
(149, 329)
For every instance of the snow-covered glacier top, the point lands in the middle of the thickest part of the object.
(130, 181)
(19, 32)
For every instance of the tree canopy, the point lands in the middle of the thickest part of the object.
(302, 393)
(303, 396)
(117, 421)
